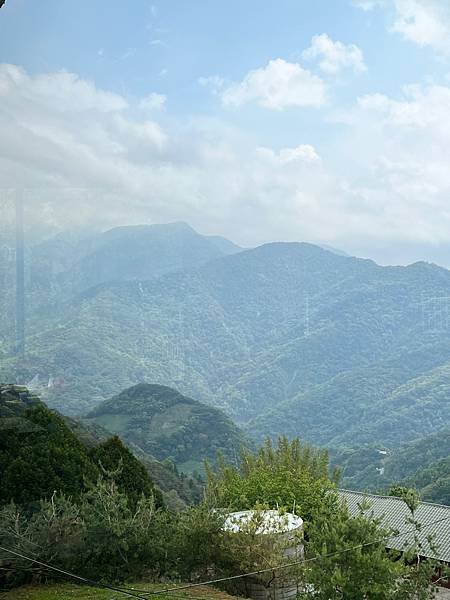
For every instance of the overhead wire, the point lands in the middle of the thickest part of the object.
(84, 580)
(143, 594)
(87, 581)
(291, 564)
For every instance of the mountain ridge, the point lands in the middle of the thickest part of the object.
(283, 329)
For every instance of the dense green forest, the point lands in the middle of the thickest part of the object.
(287, 338)
(42, 451)
(39, 454)
(168, 425)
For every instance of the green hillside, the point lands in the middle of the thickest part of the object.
(287, 338)
(433, 481)
(423, 464)
(59, 452)
(58, 269)
(168, 425)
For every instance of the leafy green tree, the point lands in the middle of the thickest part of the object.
(196, 543)
(290, 475)
(121, 540)
(101, 536)
(353, 562)
(409, 496)
(419, 573)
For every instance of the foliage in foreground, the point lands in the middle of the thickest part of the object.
(289, 475)
(354, 563)
(106, 534)
(100, 536)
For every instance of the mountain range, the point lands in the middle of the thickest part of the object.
(286, 338)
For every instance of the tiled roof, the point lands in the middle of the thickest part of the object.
(394, 514)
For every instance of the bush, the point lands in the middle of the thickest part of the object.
(101, 536)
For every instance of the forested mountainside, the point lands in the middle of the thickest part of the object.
(423, 464)
(63, 266)
(287, 338)
(48, 456)
(168, 425)
(41, 447)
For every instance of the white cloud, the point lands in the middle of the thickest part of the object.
(303, 153)
(333, 57)
(90, 156)
(59, 91)
(278, 85)
(419, 109)
(107, 165)
(423, 22)
(400, 155)
(153, 101)
(147, 132)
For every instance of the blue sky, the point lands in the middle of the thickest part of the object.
(316, 120)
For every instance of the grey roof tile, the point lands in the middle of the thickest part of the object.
(394, 514)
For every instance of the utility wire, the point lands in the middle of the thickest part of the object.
(292, 564)
(72, 575)
(91, 582)
(131, 592)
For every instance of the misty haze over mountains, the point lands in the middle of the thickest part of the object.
(286, 337)
(225, 299)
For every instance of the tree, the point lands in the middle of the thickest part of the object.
(346, 556)
(290, 475)
(101, 536)
(353, 562)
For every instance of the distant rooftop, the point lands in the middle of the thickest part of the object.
(434, 518)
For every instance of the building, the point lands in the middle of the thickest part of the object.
(434, 519)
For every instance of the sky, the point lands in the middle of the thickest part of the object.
(288, 120)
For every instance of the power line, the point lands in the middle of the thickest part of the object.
(131, 591)
(292, 564)
(68, 574)
(91, 582)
